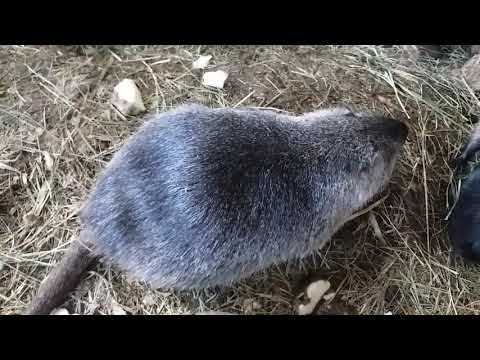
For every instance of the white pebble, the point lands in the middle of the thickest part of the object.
(127, 98)
(315, 292)
(117, 309)
(215, 79)
(60, 311)
(202, 62)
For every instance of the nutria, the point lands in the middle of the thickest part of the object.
(201, 197)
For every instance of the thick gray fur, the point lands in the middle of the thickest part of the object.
(200, 197)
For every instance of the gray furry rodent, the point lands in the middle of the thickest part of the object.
(201, 197)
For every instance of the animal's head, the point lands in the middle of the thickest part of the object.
(361, 148)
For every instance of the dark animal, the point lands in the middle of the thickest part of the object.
(440, 51)
(464, 222)
(202, 197)
(469, 149)
(464, 226)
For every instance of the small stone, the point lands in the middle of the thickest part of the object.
(315, 292)
(127, 98)
(60, 311)
(117, 309)
(215, 79)
(202, 62)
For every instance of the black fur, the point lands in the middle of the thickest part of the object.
(464, 222)
(464, 225)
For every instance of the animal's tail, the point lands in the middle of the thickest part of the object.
(63, 279)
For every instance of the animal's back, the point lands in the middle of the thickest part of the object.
(201, 196)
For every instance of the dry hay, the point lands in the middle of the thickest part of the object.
(58, 131)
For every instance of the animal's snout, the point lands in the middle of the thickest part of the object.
(394, 130)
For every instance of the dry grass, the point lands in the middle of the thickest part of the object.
(58, 131)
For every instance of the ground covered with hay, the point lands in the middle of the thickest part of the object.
(58, 130)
